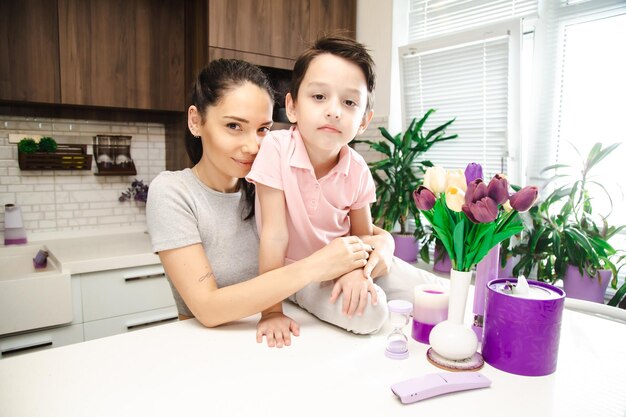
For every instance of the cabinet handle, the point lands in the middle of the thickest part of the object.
(133, 325)
(140, 277)
(16, 347)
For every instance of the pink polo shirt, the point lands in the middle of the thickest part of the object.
(317, 209)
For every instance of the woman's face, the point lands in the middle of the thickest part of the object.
(231, 131)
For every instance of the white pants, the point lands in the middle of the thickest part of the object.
(397, 284)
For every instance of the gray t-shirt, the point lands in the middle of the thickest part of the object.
(182, 211)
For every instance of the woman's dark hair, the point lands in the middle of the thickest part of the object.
(212, 83)
(340, 46)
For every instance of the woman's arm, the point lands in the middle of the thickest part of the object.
(190, 271)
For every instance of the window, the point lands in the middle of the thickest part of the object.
(584, 101)
(464, 61)
(467, 77)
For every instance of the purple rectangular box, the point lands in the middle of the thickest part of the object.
(521, 335)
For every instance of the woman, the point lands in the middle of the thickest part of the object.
(201, 220)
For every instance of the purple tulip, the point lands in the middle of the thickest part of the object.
(424, 198)
(524, 198)
(498, 189)
(484, 210)
(476, 190)
(473, 171)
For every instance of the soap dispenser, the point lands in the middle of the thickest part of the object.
(14, 232)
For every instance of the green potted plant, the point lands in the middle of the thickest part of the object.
(565, 238)
(397, 175)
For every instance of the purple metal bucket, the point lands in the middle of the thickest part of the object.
(521, 335)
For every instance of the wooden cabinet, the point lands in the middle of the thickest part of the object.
(29, 51)
(260, 31)
(127, 54)
(332, 16)
(118, 53)
(277, 28)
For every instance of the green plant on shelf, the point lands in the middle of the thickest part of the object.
(27, 145)
(47, 144)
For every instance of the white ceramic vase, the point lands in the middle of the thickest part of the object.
(451, 338)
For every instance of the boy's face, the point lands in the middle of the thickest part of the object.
(330, 109)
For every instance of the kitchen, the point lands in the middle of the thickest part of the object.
(109, 281)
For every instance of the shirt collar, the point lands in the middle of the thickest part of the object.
(300, 157)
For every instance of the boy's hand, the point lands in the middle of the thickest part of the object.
(354, 287)
(277, 329)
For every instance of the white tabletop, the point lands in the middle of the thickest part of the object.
(184, 369)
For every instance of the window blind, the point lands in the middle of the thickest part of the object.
(470, 81)
(431, 18)
(563, 47)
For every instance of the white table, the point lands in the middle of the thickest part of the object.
(184, 369)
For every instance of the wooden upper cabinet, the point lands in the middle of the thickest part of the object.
(277, 28)
(29, 51)
(122, 53)
(332, 16)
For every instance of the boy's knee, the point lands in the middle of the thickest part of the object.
(373, 318)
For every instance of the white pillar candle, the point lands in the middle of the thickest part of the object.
(431, 304)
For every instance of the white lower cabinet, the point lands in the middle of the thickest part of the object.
(40, 340)
(129, 322)
(122, 300)
(104, 303)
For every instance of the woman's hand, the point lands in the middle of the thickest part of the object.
(277, 329)
(380, 259)
(339, 257)
(354, 287)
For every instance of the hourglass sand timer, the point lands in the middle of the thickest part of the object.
(399, 313)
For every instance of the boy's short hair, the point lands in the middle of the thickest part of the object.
(340, 46)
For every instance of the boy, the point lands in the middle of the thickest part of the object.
(312, 187)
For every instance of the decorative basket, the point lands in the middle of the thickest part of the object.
(66, 157)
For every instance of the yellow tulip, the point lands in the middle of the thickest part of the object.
(507, 206)
(455, 198)
(435, 179)
(457, 179)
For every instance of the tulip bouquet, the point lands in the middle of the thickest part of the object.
(468, 215)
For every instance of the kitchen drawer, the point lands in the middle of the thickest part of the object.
(129, 322)
(118, 292)
(40, 340)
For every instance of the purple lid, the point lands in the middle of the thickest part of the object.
(400, 306)
(529, 310)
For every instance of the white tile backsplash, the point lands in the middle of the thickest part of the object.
(54, 201)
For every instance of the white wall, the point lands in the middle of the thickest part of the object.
(70, 200)
(382, 26)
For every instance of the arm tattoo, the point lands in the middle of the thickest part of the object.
(207, 275)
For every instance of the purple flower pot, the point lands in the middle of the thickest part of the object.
(521, 335)
(584, 287)
(406, 247)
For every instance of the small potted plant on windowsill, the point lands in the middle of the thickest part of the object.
(565, 239)
(397, 175)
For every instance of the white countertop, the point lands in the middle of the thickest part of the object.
(185, 369)
(91, 252)
(102, 252)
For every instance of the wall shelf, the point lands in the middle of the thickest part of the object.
(66, 157)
